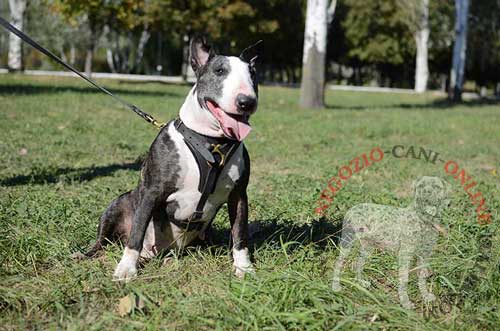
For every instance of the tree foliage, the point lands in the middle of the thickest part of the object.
(377, 32)
(367, 39)
(484, 42)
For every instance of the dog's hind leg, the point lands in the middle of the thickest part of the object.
(346, 243)
(114, 223)
(422, 284)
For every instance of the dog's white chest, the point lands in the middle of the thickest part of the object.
(182, 204)
(186, 198)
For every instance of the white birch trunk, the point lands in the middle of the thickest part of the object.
(109, 59)
(72, 54)
(331, 11)
(63, 55)
(313, 58)
(143, 40)
(457, 75)
(89, 57)
(422, 43)
(15, 57)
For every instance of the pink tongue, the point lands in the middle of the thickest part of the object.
(232, 128)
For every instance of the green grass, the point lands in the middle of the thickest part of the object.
(66, 151)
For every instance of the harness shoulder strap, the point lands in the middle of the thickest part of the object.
(211, 155)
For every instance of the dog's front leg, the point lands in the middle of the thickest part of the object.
(423, 273)
(127, 268)
(238, 215)
(404, 260)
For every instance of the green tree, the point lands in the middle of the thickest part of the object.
(17, 10)
(52, 31)
(234, 24)
(484, 44)
(280, 24)
(94, 15)
(378, 34)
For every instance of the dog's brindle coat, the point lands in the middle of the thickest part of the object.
(168, 187)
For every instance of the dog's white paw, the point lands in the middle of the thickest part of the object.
(124, 272)
(407, 304)
(429, 297)
(242, 264)
(336, 287)
(127, 268)
(240, 272)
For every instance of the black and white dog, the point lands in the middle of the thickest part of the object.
(195, 165)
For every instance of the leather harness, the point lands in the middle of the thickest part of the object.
(211, 155)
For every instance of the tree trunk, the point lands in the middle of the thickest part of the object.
(331, 11)
(89, 56)
(422, 41)
(63, 55)
(95, 30)
(294, 75)
(143, 40)
(187, 71)
(15, 57)
(72, 54)
(109, 59)
(312, 93)
(459, 50)
(444, 81)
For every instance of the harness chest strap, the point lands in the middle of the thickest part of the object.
(211, 155)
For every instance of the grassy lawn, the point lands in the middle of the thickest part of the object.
(66, 151)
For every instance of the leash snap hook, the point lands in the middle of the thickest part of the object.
(216, 150)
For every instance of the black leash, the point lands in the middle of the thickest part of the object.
(148, 118)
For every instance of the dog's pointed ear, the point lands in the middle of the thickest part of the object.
(249, 53)
(200, 52)
(447, 187)
(253, 60)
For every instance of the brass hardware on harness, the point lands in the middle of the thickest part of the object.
(158, 124)
(216, 149)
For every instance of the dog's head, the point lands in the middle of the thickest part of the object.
(226, 86)
(431, 195)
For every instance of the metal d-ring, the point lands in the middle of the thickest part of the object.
(215, 149)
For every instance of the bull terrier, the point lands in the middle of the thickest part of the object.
(196, 164)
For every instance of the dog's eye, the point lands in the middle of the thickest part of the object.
(219, 71)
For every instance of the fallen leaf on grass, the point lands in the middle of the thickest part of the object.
(130, 303)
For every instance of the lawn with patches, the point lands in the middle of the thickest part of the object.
(68, 150)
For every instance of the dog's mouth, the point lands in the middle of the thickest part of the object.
(234, 126)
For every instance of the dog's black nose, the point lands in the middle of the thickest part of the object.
(245, 102)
